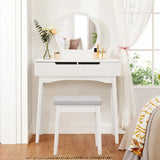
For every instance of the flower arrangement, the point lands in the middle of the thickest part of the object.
(46, 36)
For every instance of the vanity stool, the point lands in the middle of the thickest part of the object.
(78, 104)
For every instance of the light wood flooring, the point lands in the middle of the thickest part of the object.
(69, 146)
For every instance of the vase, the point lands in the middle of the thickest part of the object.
(46, 54)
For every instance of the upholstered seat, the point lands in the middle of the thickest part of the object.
(77, 100)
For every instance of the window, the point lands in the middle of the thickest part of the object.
(144, 56)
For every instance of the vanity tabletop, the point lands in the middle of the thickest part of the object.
(78, 60)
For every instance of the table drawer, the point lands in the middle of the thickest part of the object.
(53, 69)
(99, 69)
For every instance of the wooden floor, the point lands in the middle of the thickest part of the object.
(69, 146)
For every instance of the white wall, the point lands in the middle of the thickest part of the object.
(49, 13)
(142, 95)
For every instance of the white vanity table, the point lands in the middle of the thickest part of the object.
(78, 35)
(104, 71)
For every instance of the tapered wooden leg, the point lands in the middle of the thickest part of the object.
(56, 136)
(115, 110)
(98, 118)
(39, 108)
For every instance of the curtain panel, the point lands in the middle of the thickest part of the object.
(131, 18)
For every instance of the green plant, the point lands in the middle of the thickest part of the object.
(46, 36)
(94, 37)
(142, 75)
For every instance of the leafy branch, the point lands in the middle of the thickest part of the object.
(94, 38)
(46, 36)
(142, 75)
(45, 33)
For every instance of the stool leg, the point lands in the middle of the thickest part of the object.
(56, 136)
(98, 118)
(96, 139)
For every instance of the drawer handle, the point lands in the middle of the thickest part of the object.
(89, 63)
(65, 63)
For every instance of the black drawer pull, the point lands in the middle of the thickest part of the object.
(89, 63)
(66, 63)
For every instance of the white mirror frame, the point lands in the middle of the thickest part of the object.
(82, 50)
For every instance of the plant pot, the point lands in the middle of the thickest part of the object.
(57, 55)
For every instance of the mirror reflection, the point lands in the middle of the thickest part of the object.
(77, 32)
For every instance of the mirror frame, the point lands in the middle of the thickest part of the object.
(81, 50)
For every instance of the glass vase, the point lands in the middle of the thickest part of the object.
(46, 54)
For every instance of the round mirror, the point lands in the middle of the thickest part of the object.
(77, 32)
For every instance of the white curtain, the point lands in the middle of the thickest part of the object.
(131, 18)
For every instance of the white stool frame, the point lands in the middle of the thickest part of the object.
(79, 108)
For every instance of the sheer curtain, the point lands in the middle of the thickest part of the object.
(131, 18)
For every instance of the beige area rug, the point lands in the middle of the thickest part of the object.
(71, 147)
(80, 147)
(72, 158)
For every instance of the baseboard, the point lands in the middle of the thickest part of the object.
(105, 128)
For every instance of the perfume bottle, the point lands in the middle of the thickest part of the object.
(102, 56)
(95, 53)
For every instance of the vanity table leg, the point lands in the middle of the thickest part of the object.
(115, 110)
(112, 111)
(42, 108)
(39, 108)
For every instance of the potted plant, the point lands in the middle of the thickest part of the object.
(46, 36)
(57, 55)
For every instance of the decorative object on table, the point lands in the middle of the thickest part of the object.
(46, 36)
(95, 53)
(99, 54)
(57, 55)
(103, 53)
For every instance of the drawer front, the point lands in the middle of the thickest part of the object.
(102, 69)
(52, 69)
